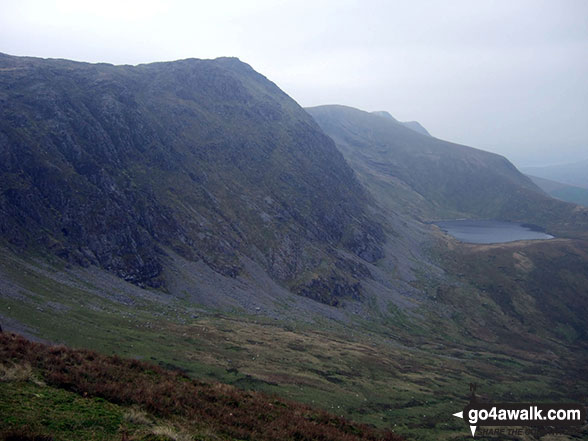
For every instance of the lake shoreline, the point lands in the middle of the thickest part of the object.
(491, 231)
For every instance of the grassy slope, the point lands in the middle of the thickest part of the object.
(104, 388)
(31, 408)
(399, 371)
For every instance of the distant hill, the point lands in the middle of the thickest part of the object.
(413, 125)
(569, 193)
(575, 173)
(432, 178)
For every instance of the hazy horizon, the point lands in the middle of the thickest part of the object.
(508, 78)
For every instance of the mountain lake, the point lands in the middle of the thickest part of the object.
(490, 231)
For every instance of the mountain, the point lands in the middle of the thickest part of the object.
(574, 173)
(117, 166)
(565, 192)
(432, 179)
(413, 125)
(191, 215)
(419, 179)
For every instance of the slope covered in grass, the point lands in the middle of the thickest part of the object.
(111, 382)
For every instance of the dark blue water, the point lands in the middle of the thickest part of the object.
(490, 231)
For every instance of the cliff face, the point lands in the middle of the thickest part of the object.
(112, 165)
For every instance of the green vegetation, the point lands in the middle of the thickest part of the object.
(89, 396)
(405, 371)
(30, 409)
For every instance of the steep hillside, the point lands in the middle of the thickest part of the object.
(114, 165)
(432, 179)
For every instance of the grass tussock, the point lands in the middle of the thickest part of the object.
(11, 371)
(170, 433)
(137, 416)
(223, 409)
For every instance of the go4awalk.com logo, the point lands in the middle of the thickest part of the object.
(553, 415)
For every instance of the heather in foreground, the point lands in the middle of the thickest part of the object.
(52, 392)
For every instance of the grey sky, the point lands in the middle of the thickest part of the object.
(508, 76)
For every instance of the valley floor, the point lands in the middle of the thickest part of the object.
(392, 371)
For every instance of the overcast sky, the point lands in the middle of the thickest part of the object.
(508, 76)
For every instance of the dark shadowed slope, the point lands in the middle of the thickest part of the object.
(114, 165)
(431, 178)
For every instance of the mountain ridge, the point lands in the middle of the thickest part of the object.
(122, 160)
(413, 125)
